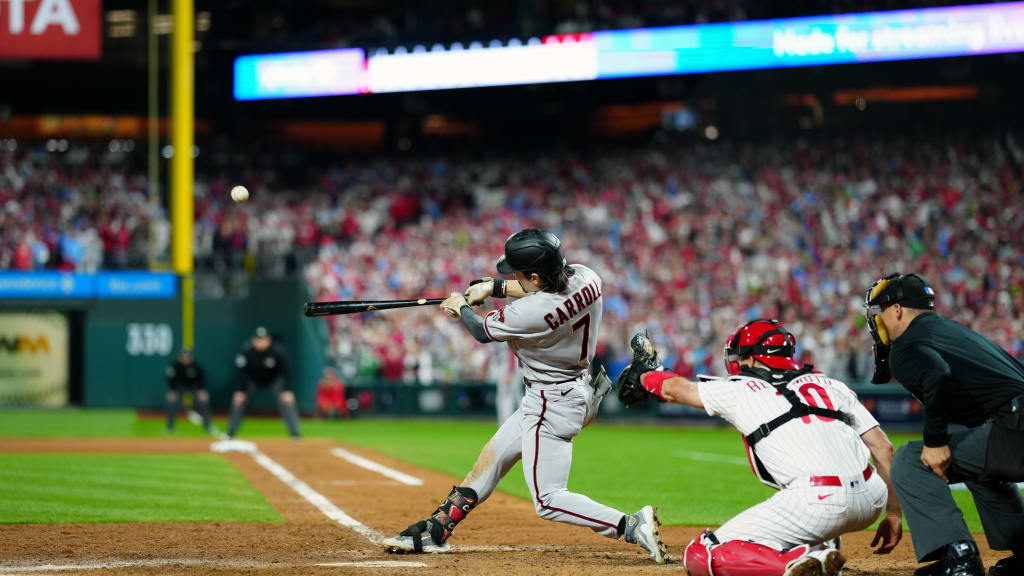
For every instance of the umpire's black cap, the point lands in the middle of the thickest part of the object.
(532, 250)
(908, 290)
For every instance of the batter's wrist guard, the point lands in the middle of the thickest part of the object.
(499, 288)
(442, 522)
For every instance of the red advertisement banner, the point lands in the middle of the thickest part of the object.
(50, 29)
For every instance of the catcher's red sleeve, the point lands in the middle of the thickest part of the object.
(653, 381)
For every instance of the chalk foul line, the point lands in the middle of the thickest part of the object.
(376, 467)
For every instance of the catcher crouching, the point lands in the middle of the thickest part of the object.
(806, 436)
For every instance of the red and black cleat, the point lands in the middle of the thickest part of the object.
(431, 535)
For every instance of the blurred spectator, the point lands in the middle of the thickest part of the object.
(330, 396)
(692, 238)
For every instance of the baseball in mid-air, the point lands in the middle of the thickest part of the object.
(239, 194)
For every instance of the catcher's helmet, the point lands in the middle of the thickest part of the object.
(533, 250)
(766, 340)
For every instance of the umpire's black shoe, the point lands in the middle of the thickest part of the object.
(958, 559)
(1012, 566)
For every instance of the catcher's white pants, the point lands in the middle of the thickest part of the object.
(805, 514)
(541, 433)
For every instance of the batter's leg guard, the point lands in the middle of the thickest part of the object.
(704, 556)
(431, 535)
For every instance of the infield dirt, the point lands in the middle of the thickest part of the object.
(502, 536)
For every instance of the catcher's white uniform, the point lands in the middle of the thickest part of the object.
(820, 465)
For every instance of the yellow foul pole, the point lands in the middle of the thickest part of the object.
(183, 139)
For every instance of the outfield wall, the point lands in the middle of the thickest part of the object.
(120, 348)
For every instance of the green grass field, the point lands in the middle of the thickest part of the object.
(63, 488)
(696, 476)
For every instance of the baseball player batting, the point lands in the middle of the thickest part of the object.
(806, 435)
(552, 328)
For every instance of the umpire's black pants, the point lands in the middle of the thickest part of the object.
(928, 504)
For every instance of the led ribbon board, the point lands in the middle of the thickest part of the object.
(779, 43)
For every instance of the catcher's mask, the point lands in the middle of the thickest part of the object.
(764, 339)
(907, 289)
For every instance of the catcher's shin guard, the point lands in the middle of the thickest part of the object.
(704, 556)
(441, 523)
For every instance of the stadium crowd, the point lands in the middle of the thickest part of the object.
(690, 238)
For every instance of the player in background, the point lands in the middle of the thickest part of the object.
(185, 375)
(262, 365)
(552, 328)
(806, 435)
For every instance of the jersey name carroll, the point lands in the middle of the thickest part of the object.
(554, 336)
(573, 305)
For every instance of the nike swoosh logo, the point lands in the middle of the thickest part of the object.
(773, 351)
(823, 496)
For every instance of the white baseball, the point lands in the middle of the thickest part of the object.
(239, 194)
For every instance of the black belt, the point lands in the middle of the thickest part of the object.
(528, 385)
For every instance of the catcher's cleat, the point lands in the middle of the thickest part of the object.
(417, 539)
(803, 566)
(644, 530)
(832, 562)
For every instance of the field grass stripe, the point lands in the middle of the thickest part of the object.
(315, 498)
(376, 467)
(711, 457)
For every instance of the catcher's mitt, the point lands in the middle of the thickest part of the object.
(645, 359)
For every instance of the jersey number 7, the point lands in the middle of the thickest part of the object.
(584, 323)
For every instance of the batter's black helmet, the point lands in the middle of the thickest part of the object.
(535, 250)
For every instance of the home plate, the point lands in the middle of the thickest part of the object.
(376, 564)
(243, 446)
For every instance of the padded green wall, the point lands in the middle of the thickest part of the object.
(114, 377)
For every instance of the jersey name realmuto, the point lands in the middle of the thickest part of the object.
(554, 336)
(807, 446)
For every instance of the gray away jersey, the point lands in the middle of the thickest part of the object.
(554, 336)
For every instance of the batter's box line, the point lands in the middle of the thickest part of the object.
(318, 500)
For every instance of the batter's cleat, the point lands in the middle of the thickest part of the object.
(803, 566)
(644, 530)
(416, 539)
(431, 535)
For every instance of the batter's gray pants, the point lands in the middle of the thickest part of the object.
(541, 434)
(928, 504)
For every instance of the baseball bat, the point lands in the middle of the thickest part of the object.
(358, 306)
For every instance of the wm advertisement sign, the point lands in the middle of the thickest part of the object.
(33, 359)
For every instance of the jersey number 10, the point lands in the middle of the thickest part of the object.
(822, 395)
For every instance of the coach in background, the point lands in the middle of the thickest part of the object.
(961, 378)
(186, 375)
(262, 365)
